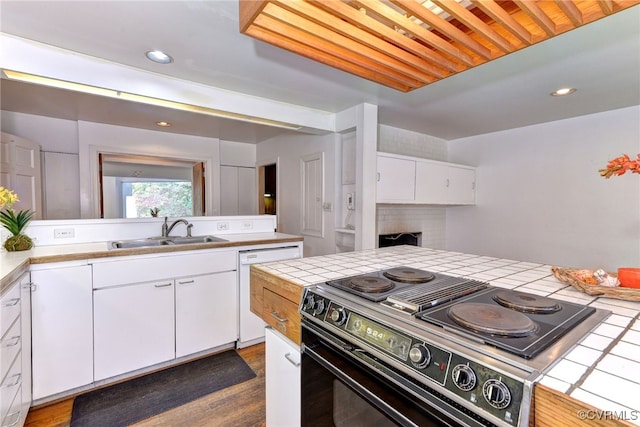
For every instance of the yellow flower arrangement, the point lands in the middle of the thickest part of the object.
(14, 222)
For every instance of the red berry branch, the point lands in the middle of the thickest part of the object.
(620, 165)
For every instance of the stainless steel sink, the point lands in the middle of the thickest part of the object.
(162, 241)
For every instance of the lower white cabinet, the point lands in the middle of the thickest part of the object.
(133, 327)
(15, 352)
(206, 312)
(62, 328)
(282, 367)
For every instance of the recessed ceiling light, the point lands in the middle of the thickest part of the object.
(163, 124)
(564, 91)
(158, 56)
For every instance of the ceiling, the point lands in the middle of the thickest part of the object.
(600, 59)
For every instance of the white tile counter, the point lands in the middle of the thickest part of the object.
(603, 370)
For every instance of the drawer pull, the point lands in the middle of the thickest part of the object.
(164, 285)
(17, 377)
(275, 315)
(186, 282)
(12, 342)
(12, 302)
(291, 360)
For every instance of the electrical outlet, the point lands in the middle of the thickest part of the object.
(64, 233)
(247, 225)
(223, 226)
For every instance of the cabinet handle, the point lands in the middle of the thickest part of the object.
(12, 342)
(377, 176)
(11, 424)
(164, 285)
(275, 315)
(12, 302)
(447, 182)
(291, 360)
(18, 377)
(186, 282)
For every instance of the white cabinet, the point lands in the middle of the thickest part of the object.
(282, 365)
(206, 312)
(133, 327)
(62, 328)
(403, 179)
(444, 183)
(396, 180)
(149, 310)
(15, 353)
(238, 194)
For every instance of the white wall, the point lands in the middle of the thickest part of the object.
(540, 197)
(288, 149)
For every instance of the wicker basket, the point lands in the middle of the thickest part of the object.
(566, 275)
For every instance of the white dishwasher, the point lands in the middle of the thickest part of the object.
(251, 326)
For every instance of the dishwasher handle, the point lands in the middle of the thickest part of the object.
(267, 255)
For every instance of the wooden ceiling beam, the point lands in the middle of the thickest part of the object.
(496, 12)
(375, 29)
(538, 16)
(416, 9)
(323, 57)
(416, 30)
(314, 35)
(606, 6)
(569, 8)
(474, 23)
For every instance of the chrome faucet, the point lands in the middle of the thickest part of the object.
(166, 229)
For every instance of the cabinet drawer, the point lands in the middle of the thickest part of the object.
(9, 348)
(282, 315)
(9, 308)
(138, 270)
(10, 386)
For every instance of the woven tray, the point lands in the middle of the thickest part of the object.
(565, 275)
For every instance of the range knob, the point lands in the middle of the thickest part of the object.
(318, 307)
(496, 393)
(338, 316)
(464, 377)
(419, 355)
(308, 302)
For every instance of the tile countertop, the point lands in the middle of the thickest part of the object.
(603, 370)
(12, 264)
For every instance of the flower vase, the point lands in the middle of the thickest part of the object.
(18, 242)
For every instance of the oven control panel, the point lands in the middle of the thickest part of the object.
(424, 358)
(485, 388)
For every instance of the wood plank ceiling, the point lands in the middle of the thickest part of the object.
(407, 44)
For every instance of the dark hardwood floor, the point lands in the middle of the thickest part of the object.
(238, 405)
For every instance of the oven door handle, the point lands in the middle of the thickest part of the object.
(375, 400)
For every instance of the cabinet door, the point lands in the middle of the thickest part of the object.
(206, 312)
(247, 193)
(62, 332)
(396, 180)
(462, 186)
(133, 327)
(229, 190)
(282, 385)
(432, 183)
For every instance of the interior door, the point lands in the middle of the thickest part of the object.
(21, 173)
(198, 190)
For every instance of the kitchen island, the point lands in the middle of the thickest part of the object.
(595, 383)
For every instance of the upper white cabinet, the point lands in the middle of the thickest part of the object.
(396, 180)
(403, 179)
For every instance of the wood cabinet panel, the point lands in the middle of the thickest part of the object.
(282, 315)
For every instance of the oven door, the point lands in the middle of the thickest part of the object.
(342, 389)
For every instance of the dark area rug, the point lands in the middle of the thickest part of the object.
(134, 400)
